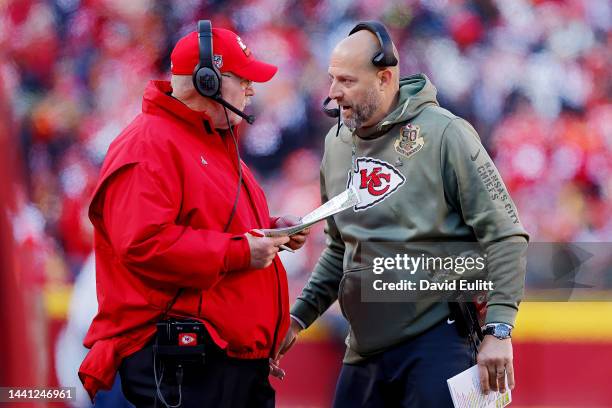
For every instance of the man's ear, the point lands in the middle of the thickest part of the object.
(384, 78)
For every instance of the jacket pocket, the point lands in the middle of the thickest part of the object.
(374, 325)
(349, 292)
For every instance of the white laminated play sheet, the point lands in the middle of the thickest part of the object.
(466, 393)
(341, 202)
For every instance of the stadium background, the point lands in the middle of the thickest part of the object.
(533, 76)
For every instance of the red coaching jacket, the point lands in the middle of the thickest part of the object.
(165, 193)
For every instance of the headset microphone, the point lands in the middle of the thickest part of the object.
(206, 76)
(331, 112)
(249, 118)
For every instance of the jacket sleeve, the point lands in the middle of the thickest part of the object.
(321, 290)
(140, 207)
(473, 185)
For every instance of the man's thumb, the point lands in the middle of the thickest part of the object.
(281, 240)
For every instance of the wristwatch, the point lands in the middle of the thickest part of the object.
(500, 330)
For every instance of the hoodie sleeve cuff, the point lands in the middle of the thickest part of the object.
(298, 321)
(499, 313)
(238, 254)
(304, 313)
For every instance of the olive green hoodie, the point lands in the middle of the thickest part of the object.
(422, 176)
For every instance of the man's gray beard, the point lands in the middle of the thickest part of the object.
(364, 111)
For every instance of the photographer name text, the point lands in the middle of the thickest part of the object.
(426, 285)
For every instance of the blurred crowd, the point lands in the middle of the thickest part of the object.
(533, 76)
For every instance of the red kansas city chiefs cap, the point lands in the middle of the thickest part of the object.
(230, 54)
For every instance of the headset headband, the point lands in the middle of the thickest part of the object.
(385, 57)
(205, 43)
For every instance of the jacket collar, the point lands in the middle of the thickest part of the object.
(157, 101)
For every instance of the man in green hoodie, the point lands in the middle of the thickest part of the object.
(422, 175)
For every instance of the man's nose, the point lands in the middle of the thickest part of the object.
(334, 91)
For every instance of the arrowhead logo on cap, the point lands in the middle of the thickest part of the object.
(244, 48)
(218, 60)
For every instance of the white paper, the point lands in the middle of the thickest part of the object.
(341, 202)
(465, 392)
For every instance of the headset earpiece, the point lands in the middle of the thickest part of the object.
(206, 81)
(384, 57)
(206, 77)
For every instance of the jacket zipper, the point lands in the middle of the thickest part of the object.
(280, 311)
(276, 273)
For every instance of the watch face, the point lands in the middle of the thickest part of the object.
(502, 331)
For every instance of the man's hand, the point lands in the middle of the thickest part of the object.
(275, 370)
(289, 340)
(263, 249)
(494, 361)
(297, 240)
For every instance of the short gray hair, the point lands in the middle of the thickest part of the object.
(182, 86)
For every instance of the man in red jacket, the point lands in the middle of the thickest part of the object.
(172, 213)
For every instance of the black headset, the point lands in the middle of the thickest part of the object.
(206, 76)
(383, 58)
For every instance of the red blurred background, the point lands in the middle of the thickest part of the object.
(533, 76)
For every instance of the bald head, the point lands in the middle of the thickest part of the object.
(365, 93)
(359, 48)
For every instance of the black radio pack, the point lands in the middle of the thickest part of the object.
(181, 340)
(469, 317)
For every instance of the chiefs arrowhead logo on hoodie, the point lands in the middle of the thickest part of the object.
(374, 180)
